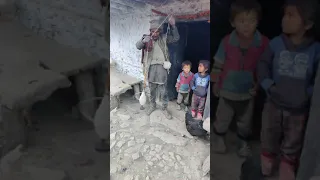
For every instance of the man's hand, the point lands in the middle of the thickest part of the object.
(172, 21)
(146, 39)
(216, 90)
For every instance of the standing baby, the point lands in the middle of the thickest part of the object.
(183, 85)
(199, 85)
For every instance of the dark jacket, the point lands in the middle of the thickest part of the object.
(291, 71)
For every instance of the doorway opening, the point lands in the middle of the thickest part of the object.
(194, 45)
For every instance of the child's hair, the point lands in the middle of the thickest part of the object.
(186, 63)
(205, 63)
(308, 10)
(240, 6)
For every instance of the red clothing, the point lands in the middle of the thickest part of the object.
(234, 67)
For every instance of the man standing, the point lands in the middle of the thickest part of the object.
(155, 55)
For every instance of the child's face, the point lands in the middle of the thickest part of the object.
(201, 68)
(292, 22)
(245, 23)
(186, 68)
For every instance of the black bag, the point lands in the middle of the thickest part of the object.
(194, 127)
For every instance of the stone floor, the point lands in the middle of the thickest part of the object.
(153, 148)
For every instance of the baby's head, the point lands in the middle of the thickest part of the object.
(186, 66)
(203, 66)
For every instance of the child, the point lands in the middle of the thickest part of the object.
(199, 84)
(286, 72)
(234, 75)
(183, 85)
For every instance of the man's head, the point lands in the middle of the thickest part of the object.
(155, 29)
(245, 15)
(186, 66)
(203, 66)
(299, 17)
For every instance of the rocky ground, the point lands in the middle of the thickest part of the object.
(141, 148)
(153, 148)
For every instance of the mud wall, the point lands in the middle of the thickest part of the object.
(76, 23)
(125, 31)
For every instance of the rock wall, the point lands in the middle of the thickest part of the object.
(125, 31)
(76, 23)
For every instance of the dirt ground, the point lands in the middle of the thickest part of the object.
(153, 148)
(141, 148)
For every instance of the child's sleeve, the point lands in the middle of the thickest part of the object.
(208, 82)
(192, 83)
(264, 68)
(218, 62)
(178, 81)
(265, 45)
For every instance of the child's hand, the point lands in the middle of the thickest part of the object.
(216, 90)
(177, 88)
(272, 88)
(253, 91)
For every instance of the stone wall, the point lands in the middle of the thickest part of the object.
(125, 31)
(76, 23)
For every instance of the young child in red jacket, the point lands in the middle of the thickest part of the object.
(183, 85)
(235, 77)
